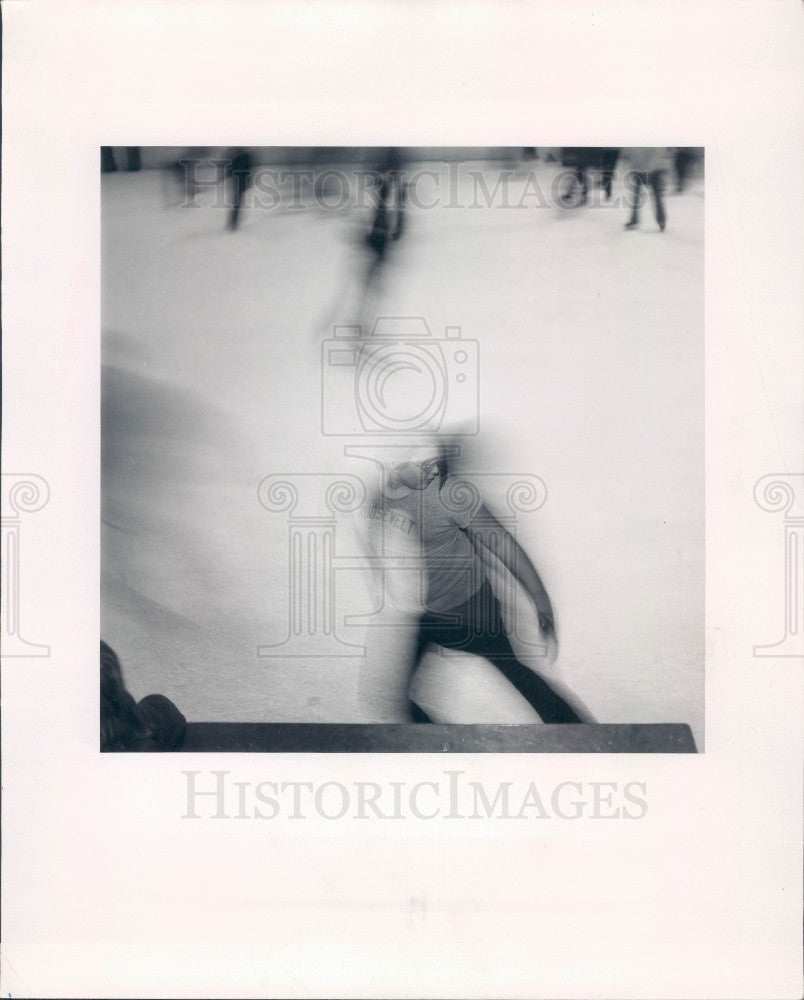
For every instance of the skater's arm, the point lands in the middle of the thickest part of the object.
(368, 529)
(486, 531)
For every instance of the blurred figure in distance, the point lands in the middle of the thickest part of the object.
(649, 165)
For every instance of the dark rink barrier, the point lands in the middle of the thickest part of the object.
(266, 737)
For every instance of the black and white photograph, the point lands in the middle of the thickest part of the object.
(402, 448)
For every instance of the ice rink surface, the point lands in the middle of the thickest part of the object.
(590, 344)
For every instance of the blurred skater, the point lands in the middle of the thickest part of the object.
(439, 526)
(579, 161)
(576, 160)
(108, 162)
(607, 157)
(648, 168)
(388, 222)
(240, 169)
(682, 161)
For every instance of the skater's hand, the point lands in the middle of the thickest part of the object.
(547, 634)
(504, 546)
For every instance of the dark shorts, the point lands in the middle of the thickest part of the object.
(477, 627)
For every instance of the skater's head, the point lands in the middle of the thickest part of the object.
(417, 466)
(414, 474)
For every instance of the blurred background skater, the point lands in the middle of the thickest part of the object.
(387, 225)
(439, 533)
(109, 162)
(389, 216)
(240, 169)
(133, 158)
(682, 161)
(575, 160)
(648, 165)
(580, 160)
(607, 157)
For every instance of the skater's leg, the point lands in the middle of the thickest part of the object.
(386, 691)
(609, 162)
(369, 294)
(531, 685)
(133, 158)
(379, 228)
(420, 648)
(584, 179)
(482, 632)
(241, 181)
(108, 164)
(656, 181)
(550, 705)
(357, 287)
(418, 714)
(569, 194)
(637, 180)
(682, 162)
(402, 196)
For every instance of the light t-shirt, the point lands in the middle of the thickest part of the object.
(428, 525)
